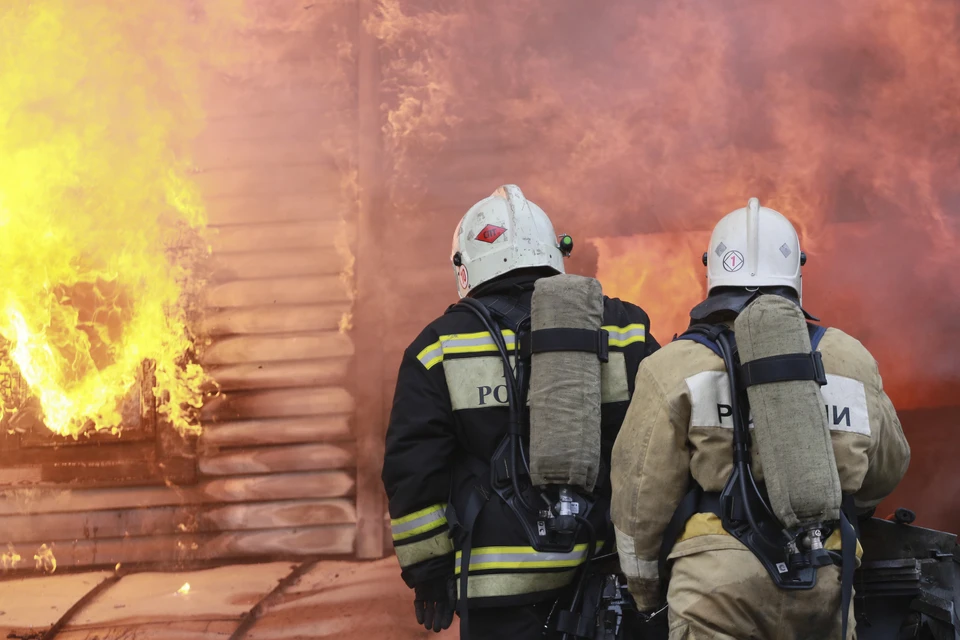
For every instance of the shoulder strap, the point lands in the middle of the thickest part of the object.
(509, 311)
(705, 334)
(816, 332)
(512, 312)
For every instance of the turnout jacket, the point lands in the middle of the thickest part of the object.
(683, 427)
(450, 405)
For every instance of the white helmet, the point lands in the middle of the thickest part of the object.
(499, 234)
(754, 247)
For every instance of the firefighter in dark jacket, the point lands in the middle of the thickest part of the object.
(450, 413)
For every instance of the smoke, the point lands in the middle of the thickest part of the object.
(625, 118)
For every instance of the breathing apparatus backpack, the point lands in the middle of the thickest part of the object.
(559, 347)
(775, 374)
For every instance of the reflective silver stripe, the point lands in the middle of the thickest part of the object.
(430, 358)
(621, 336)
(413, 552)
(512, 584)
(455, 344)
(420, 524)
(517, 558)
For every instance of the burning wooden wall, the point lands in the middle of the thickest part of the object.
(275, 469)
(277, 163)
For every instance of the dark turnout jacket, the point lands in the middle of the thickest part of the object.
(450, 405)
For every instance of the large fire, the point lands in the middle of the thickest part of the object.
(100, 224)
(637, 123)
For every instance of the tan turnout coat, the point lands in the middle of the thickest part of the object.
(679, 425)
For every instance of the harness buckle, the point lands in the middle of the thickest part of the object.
(818, 370)
(603, 345)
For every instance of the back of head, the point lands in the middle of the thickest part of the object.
(754, 247)
(501, 234)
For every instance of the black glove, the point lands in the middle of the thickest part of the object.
(435, 602)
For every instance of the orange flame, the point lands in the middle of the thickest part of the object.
(45, 559)
(626, 119)
(100, 223)
(10, 559)
(655, 268)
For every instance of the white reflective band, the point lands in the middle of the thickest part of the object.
(418, 522)
(476, 382)
(413, 552)
(523, 558)
(513, 584)
(623, 336)
(614, 385)
(845, 402)
(632, 566)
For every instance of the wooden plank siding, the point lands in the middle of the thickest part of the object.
(371, 313)
(284, 229)
(278, 458)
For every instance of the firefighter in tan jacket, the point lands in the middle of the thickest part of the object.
(678, 434)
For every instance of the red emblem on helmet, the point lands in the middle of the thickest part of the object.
(490, 233)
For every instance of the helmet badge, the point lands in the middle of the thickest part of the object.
(462, 278)
(733, 261)
(490, 233)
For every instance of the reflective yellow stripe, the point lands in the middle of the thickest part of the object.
(431, 355)
(478, 342)
(623, 336)
(423, 528)
(413, 552)
(418, 522)
(489, 550)
(416, 514)
(473, 336)
(485, 558)
(708, 524)
(482, 342)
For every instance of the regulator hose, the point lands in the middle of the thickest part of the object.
(585, 568)
(514, 430)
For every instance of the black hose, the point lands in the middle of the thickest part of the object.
(523, 459)
(585, 569)
(514, 430)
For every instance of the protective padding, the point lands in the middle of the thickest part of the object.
(565, 386)
(790, 431)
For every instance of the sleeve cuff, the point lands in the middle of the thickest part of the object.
(411, 553)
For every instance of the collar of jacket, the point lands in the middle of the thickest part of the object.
(725, 304)
(510, 285)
